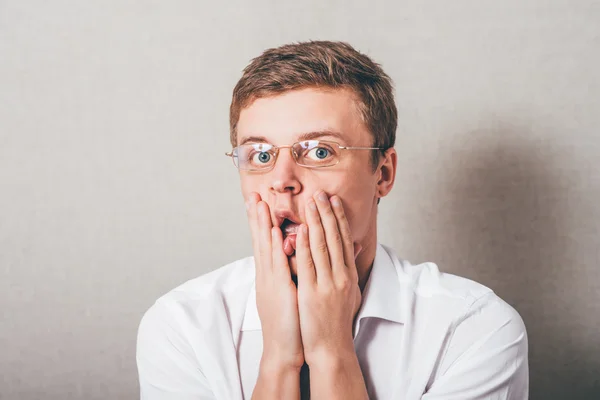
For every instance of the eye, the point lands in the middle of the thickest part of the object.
(318, 153)
(263, 157)
(258, 155)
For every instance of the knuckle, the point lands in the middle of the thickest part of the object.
(344, 283)
(345, 232)
(327, 211)
(340, 215)
(337, 239)
(322, 246)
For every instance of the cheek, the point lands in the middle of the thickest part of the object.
(250, 183)
(358, 205)
(358, 213)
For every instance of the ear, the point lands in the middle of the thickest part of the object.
(387, 172)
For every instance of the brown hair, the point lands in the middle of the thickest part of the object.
(321, 64)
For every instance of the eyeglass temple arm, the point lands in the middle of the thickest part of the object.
(360, 148)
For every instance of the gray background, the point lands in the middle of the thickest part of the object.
(114, 187)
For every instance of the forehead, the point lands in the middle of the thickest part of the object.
(283, 118)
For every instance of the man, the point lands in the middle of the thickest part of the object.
(322, 308)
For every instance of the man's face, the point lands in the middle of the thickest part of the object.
(282, 120)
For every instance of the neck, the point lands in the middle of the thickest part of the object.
(366, 257)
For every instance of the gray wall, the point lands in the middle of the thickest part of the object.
(114, 187)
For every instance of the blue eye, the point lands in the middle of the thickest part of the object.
(264, 157)
(261, 158)
(321, 153)
(256, 156)
(318, 153)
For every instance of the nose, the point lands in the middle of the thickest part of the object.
(284, 175)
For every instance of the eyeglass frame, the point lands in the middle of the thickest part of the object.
(290, 146)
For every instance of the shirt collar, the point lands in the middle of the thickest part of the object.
(251, 318)
(381, 297)
(382, 294)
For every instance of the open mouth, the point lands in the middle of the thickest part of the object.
(289, 230)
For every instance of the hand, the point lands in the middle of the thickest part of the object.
(276, 295)
(328, 292)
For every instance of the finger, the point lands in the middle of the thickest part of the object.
(306, 268)
(279, 262)
(261, 233)
(317, 243)
(254, 228)
(264, 225)
(333, 238)
(349, 250)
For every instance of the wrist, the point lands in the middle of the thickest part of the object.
(276, 380)
(273, 361)
(332, 359)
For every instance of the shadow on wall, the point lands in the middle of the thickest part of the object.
(506, 216)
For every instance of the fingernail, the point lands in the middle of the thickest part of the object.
(312, 205)
(335, 201)
(322, 196)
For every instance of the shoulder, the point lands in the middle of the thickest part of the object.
(466, 319)
(432, 291)
(182, 334)
(469, 333)
(203, 301)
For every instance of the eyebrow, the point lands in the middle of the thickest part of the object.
(304, 136)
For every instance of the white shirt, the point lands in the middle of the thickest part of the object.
(421, 334)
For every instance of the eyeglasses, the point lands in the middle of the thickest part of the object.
(308, 153)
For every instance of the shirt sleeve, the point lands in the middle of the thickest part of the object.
(167, 365)
(487, 356)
